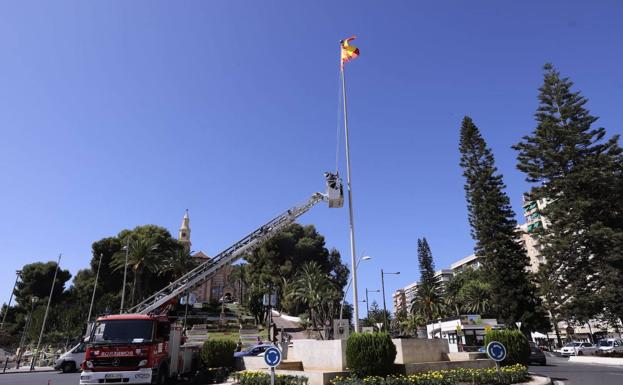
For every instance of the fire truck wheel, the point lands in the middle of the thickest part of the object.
(162, 378)
(68, 367)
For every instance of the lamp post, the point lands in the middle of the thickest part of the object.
(97, 277)
(45, 316)
(368, 302)
(350, 281)
(18, 274)
(384, 303)
(22, 340)
(125, 273)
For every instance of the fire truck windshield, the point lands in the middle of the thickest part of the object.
(122, 331)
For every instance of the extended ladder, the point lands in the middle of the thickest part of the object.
(236, 251)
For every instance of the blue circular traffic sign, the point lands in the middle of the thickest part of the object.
(496, 351)
(272, 357)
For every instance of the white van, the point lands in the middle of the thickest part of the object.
(71, 360)
(610, 345)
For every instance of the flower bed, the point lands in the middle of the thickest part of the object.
(263, 378)
(490, 376)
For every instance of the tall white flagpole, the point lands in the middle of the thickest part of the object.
(350, 201)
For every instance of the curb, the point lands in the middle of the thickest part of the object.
(538, 379)
(29, 371)
(613, 361)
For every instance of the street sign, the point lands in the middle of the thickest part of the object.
(272, 357)
(496, 351)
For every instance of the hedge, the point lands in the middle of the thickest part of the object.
(370, 354)
(218, 353)
(490, 376)
(263, 378)
(517, 346)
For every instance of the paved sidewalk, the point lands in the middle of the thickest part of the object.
(26, 369)
(616, 361)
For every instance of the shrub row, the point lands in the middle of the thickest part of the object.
(263, 378)
(370, 354)
(517, 347)
(490, 376)
(218, 353)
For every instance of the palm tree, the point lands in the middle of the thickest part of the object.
(428, 302)
(142, 257)
(313, 288)
(178, 263)
(475, 297)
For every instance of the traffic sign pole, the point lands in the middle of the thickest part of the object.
(272, 358)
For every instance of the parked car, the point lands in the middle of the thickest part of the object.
(536, 355)
(610, 345)
(72, 359)
(578, 349)
(256, 350)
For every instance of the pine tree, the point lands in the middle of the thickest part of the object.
(427, 266)
(428, 301)
(580, 174)
(495, 231)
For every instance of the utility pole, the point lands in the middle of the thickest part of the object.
(125, 273)
(45, 317)
(97, 277)
(18, 275)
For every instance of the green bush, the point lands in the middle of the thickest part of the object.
(218, 353)
(262, 378)
(517, 347)
(489, 376)
(370, 354)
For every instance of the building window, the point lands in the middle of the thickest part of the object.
(216, 292)
(452, 338)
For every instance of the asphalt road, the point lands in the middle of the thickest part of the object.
(56, 378)
(573, 373)
(560, 369)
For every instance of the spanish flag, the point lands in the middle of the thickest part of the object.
(349, 52)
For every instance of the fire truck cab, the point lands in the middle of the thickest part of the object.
(135, 349)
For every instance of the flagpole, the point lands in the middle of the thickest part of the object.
(350, 204)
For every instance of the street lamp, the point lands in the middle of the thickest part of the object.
(350, 281)
(125, 273)
(368, 302)
(18, 274)
(384, 304)
(22, 340)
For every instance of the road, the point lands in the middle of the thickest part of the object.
(573, 373)
(56, 378)
(560, 369)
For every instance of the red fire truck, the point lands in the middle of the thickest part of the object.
(136, 349)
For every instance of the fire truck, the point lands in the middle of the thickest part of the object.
(145, 345)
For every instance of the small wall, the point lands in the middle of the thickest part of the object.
(412, 350)
(443, 365)
(465, 356)
(329, 355)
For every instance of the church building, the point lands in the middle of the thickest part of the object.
(218, 286)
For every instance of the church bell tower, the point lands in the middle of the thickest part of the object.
(184, 233)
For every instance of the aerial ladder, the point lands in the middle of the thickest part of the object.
(157, 302)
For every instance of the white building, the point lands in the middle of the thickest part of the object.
(464, 333)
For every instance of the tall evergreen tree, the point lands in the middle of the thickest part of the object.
(427, 265)
(495, 231)
(428, 301)
(579, 172)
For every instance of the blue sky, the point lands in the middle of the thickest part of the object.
(115, 114)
